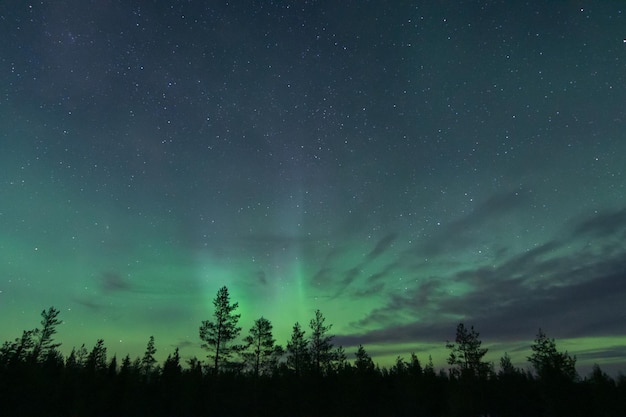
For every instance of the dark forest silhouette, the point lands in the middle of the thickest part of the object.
(253, 376)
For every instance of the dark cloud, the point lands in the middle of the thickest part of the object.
(113, 282)
(89, 304)
(184, 343)
(604, 354)
(321, 277)
(568, 293)
(385, 273)
(605, 223)
(382, 245)
(368, 291)
(376, 276)
(343, 280)
(261, 277)
(459, 233)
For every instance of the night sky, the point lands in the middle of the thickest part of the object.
(401, 165)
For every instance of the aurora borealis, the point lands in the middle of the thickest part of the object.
(402, 166)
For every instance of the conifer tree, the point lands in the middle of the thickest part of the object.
(261, 354)
(44, 344)
(466, 355)
(297, 350)
(549, 363)
(97, 358)
(364, 364)
(148, 360)
(218, 335)
(321, 347)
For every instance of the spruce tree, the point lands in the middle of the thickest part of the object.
(321, 347)
(218, 335)
(261, 349)
(297, 350)
(466, 355)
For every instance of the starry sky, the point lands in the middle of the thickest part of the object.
(402, 166)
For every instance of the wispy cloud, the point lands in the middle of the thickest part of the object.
(564, 285)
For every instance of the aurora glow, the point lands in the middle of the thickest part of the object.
(400, 168)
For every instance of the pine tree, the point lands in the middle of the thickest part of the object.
(549, 363)
(466, 354)
(415, 367)
(321, 347)
(297, 350)
(218, 335)
(506, 365)
(364, 364)
(77, 358)
(261, 355)
(44, 345)
(97, 358)
(172, 366)
(148, 360)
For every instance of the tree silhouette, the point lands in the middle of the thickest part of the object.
(148, 360)
(297, 350)
(172, 364)
(321, 346)
(36, 380)
(77, 358)
(44, 344)
(19, 350)
(364, 364)
(548, 362)
(261, 356)
(469, 373)
(506, 366)
(97, 358)
(218, 335)
(557, 376)
(466, 355)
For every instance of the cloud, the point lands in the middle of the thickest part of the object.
(261, 277)
(564, 286)
(605, 223)
(113, 282)
(606, 354)
(382, 246)
(368, 291)
(89, 304)
(458, 234)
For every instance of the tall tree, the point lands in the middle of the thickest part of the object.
(219, 335)
(44, 344)
(340, 360)
(148, 360)
(549, 363)
(97, 358)
(77, 358)
(297, 350)
(506, 366)
(415, 366)
(172, 366)
(19, 350)
(261, 355)
(466, 355)
(364, 364)
(321, 346)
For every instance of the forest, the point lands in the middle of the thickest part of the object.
(252, 375)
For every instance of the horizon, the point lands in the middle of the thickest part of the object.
(382, 355)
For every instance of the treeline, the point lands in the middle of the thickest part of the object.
(254, 376)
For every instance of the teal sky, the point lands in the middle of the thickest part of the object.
(403, 169)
